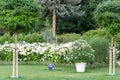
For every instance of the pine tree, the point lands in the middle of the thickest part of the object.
(64, 8)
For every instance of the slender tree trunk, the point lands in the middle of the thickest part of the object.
(54, 22)
(112, 56)
(15, 59)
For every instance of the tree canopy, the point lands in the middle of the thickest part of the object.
(19, 15)
(63, 7)
(107, 14)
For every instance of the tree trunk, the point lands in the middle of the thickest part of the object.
(15, 59)
(112, 56)
(54, 22)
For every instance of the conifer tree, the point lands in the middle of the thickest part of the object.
(63, 8)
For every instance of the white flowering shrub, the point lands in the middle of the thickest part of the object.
(82, 51)
(42, 52)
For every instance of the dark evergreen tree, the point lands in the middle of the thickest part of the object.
(64, 8)
(80, 24)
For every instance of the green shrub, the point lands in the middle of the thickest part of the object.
(5, 37)
(5, 56)
(96, 33)
(118, 40)
(33, 37)
(9, 56)
(48, 36)
(2, 56)
(82, 52)
(68, 37)
(101, 47)
(99, 40)
(118, 45)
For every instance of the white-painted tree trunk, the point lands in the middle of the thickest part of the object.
(112, 58)
(15, 59)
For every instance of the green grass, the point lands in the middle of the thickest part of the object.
(41, 72)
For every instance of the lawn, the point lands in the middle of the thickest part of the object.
(41, 72)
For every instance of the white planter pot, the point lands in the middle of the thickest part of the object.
(80, 67)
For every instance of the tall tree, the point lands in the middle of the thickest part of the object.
(18, 16)
(107, 15)
(63, 8)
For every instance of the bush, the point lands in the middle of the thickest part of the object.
(96, 33)
(2, 56)
(34, 37)
(118, 45)
(82, 52)
(101, 47)
(5, 37)
(68, 37)
(118, 40)
(45, 52)
(48, 36)
(5, 56)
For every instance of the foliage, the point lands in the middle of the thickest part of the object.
(87, 22)
(37, 51)
(80, 24)
(118, 45)
(96, 33)
(99, 41)
(48, 36)
(40, 37)
(33, 37)
(63, 8)
(2, 30)
(118, 40)
(82, 51)
(75, 24)
(5, 37)
(68, 37)
(66, 25)
(18, 15)
(45, 52)
(101, 48)
(107, 14)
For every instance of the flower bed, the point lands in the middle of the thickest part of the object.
(42, 52)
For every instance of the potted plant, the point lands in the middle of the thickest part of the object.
(82, 54)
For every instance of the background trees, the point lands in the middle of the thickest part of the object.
(80, 24)
(74, 24)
